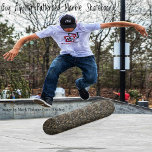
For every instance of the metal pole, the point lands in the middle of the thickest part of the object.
(122, 53)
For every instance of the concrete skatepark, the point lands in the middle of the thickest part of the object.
(127, 129)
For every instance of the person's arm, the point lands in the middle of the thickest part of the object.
(129, 98)
(115, 92)
(138, 27)
(14, 52)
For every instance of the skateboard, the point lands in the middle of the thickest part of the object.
(92, 112)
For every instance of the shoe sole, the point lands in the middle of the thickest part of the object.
(41, 102)
(85, 99)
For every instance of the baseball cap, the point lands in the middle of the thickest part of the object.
(68, 21)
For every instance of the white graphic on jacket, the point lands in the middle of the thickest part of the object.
(72, 37)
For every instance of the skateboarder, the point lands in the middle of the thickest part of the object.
(73, 40)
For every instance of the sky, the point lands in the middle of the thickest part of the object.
(85, 11)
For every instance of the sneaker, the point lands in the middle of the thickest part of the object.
(48, 101)
(84, 94)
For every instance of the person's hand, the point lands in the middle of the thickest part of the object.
(141, 30)
(10, 55)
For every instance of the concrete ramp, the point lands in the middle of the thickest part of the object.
(26, 109)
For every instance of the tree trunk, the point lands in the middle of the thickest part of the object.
(98, 69)
(47, 53)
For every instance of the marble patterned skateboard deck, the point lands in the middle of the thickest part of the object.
(92, 112)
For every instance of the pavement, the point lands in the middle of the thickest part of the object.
(116, 133)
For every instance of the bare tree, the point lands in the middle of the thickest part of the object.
(39, 14)
(107, 12)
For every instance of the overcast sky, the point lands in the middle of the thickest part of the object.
(84, 11)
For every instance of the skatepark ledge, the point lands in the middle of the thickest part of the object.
(27, 109)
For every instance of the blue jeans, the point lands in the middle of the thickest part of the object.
(64, 62)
